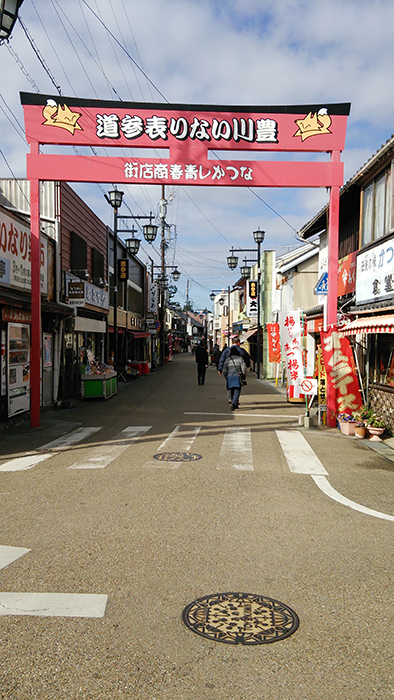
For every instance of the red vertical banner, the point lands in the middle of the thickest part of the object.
(341, 372)
(273, 342)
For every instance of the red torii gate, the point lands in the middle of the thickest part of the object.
(192, 134)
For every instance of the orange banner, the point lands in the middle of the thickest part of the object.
(341, 370)
(273, 342)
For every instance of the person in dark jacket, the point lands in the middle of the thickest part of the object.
(231, 371)
(226, 353)
(216, 355)
(201, 355)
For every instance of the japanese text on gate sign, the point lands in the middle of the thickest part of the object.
(195, 138)
(290, 333)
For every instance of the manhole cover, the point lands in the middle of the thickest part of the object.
(177, 457)
(240, 618)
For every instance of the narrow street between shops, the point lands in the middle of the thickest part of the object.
(158, 546)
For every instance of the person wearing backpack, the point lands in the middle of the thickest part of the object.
(233, 369)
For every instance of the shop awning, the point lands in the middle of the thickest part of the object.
(371, 324)
(243, 338)
(140, 334)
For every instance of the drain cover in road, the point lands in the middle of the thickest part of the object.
(240, 618)
(177, 456)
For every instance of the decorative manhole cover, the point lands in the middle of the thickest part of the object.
(177, 456)
(240, 618)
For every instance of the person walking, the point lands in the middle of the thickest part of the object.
(216, 355)
(233, 366)
(226, 353)
(201, 355)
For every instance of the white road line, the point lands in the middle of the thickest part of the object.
(21, 463)
(326, 487)
(239, 414)
(302, 460)
(103, 455)
(10, 554)
(299, 454)
(180, 440)
(47, 604)
(236, 450)
(31, 460)
(53, 604)
(71, 438)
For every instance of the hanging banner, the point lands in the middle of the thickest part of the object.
(273, 342)
(341, 370)
(191, 134)
(290, 334)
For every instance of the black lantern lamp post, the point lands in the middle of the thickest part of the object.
(133, 244)
(114, 198)
(232, 260)
(245, 271)
(8, 16)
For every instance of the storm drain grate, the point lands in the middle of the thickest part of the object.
(240, 618)
(177, 457)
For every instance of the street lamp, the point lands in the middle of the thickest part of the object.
(133, 244)
(245, 271)
(232, 260)
(259, 239)
(114, 198)
(8, 15)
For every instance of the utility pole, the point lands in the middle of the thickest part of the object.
(162, 213)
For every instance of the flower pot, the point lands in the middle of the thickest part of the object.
(360, 432)
(347, 427)
(375, 431)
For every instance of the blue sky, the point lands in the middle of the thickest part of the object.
(240, 52)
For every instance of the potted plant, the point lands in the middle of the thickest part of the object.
(346, 423)
(360, 429)
(376, 425)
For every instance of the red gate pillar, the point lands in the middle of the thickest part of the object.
(332, 296)
(35, 257)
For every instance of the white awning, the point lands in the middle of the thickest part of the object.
(370, 324)
(243, 338)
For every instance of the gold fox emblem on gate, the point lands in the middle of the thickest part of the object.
(61, 116)
(314, 124)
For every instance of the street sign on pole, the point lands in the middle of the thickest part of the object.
(322, 284)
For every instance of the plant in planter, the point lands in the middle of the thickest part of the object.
(360, 429)
(376, 425)
(346, 423)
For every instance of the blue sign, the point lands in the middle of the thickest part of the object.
(322, 284)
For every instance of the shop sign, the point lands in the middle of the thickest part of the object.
(123, 269)
(251, 298)
(153, 298)
(135, 322)
(290, 334)
(321, 378)
(15, 265)
(15, 315)
(375, 273)
(347, 274)
(76, 293)
(273, 342)
(95, 296)
(341, 370)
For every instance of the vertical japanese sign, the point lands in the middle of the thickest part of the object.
(290, 333)
(341, 371)
(273, 342)
(251, 300)
(321, 378)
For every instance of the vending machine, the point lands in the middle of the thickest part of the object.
(18, 353)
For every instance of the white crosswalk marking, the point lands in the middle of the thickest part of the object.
(10, 554)
(31, 460)
(299, 454)
(236, 450)
(180, 440)
(101, 456)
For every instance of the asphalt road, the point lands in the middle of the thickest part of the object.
(133, 540)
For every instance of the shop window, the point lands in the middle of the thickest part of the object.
(97, 266)
(79, 255)
(376, 214)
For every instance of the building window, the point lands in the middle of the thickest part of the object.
(376, 216)
(79, 255)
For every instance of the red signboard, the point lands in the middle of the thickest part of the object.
(195, 136)
(347, 274)
(341, 371)
(273, 342)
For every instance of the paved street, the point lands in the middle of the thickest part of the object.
(118, 542)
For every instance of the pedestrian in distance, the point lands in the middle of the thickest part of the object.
(201, 355)
(233, 367)
(216, 355)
